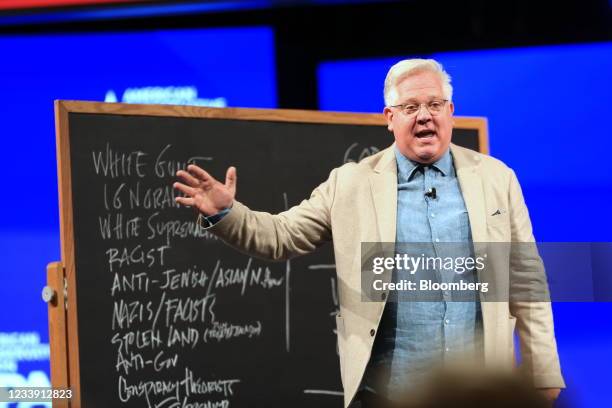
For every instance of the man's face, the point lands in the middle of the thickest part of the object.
(421, 137)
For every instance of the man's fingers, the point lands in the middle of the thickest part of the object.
(185, 189)
(230, 179)
(200, 174)
(188, 178)
(188, 201)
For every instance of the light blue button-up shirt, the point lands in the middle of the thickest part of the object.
(414, 335)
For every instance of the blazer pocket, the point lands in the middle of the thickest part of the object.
(498, 219)
(341, 344)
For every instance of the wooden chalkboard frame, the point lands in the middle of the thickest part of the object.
(63, 323)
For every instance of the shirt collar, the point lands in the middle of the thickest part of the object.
(406, 167)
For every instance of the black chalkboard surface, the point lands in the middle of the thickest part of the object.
(160, 313)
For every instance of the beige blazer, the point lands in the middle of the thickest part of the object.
(358, 203)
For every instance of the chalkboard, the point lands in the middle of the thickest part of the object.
(160, 313)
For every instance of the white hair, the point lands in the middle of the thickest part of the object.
(413, 66)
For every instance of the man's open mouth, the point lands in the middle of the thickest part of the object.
(425, 133)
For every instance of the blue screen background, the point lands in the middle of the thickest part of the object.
(37, 69)
(549, 119)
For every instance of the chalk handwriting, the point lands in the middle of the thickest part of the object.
(354, 153)
(168, 168)
(226, 331)
(245, 277)
(138, 339)
(137, 255)
(113, 164)
(117, 227)
(130, 282)
(170, 229)
(191, 278)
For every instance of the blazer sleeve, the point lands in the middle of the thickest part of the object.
(534, 319)
(276, 237)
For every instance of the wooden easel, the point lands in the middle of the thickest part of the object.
(61, 282)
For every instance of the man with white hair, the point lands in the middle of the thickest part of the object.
(385, 347)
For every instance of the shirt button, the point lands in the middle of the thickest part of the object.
(447, 349)
(447, 321)
(437, 239)
(383, 296)
(372, 332)
(433, 215)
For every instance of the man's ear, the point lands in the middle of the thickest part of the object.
(451, 107)
(389, 116)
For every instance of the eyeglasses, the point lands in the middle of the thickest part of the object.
(434, 107)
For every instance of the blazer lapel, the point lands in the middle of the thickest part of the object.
(467, 166)
(383, 185)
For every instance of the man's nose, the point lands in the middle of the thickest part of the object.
(423, 115)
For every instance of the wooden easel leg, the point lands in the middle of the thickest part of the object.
(55, 298)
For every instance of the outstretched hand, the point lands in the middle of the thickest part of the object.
(203, 191)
